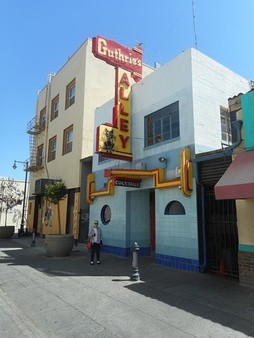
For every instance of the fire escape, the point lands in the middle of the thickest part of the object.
(34, 128)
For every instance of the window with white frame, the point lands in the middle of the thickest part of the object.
(43, 118)
(40, 154)
(162, 125)
(67, 140)
(70, 94)
(54, 107)
(52, 149)
(226, 133)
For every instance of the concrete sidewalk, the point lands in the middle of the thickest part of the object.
(67, 297)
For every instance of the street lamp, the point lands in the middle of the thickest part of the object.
(21, 231)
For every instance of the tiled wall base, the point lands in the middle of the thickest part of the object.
(246, 268)
(170, 261)
(178, 262)
(125, 252)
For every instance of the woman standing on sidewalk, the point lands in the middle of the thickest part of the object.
(95, 237)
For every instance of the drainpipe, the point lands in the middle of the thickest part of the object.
(226, 152)
(202, 267)
(48, 109)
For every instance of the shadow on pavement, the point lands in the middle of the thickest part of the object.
(77, 264)
(214, 298)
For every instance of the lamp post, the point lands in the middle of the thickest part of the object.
(21, 231)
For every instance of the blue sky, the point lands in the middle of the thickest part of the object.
(37, 36)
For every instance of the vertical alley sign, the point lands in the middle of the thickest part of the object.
(113, 139)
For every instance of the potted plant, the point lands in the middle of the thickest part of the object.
(10, 197)
(57, 245)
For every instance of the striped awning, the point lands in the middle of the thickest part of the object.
(238, 180)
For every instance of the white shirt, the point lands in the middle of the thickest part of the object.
(95, 237)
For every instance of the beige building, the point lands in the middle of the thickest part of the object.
(61, 139)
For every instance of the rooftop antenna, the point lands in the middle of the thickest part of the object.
(194, 24)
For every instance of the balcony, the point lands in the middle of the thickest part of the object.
(34, 166)
(35, 126)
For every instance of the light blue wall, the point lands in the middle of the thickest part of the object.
(138, 218)
(114, 233)
(176, 235)
(129, 217)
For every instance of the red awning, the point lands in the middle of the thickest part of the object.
(238, 180)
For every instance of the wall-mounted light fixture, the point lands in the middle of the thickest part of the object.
(163, 160)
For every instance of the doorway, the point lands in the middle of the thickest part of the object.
(70, 209)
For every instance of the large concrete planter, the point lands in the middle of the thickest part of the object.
(58, 245)
(7, 231)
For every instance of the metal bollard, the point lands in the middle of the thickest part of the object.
(33, 239)
(135, 273)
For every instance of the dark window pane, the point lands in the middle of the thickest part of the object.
(162, 125)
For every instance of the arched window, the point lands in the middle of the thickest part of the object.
(174, 208)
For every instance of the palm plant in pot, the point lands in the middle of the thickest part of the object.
(10, 197)
(57, 245)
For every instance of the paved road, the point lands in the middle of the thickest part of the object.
(67, 297)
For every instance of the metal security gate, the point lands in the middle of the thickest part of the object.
(218, 219)
(221, 235)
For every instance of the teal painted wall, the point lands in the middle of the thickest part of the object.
(247, 101)
(246, 247)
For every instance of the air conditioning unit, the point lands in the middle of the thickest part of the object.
(40, 185)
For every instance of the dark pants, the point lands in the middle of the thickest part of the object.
(96, 248)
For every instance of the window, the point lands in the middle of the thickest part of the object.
(54, 108)
(39, 159)
(52, 149)
(43, 118)
(67, 140)
(226, 134)
(105, 214)
(163, 125)
(174, 208)
(70, 94)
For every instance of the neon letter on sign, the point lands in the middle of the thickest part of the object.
(119, 56)
(113, 140)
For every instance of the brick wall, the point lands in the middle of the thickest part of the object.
(246, 268)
